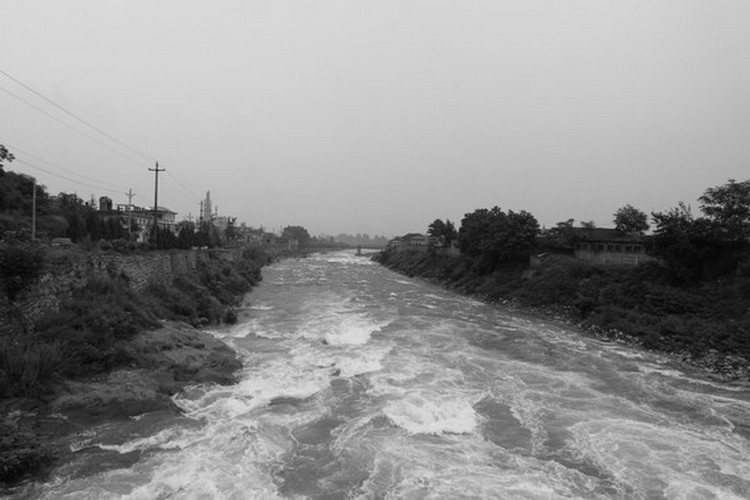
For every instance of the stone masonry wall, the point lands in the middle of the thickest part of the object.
(60, 279)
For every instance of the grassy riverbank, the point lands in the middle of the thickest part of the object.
(75, 361)
(707, 324)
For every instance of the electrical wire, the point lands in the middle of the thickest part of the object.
(124, 155)
(78, 182)
(81, 120)
(122, 144)
(51, 164)
(185, 190)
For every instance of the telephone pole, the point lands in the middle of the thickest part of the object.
(156, 171)
(33, 213)
(130, 195)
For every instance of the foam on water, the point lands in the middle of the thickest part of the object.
(666, 459)
(404, 282)
(276, 378)
(418, 415)
(342, 362)
(353, 330)
(167, 439)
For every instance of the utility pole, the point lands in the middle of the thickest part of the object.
(156, 201)
(130, 195)
(33, 213)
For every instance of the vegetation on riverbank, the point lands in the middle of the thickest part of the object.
(692, 298)
(642, 302)
(82, 338)
(88, 338)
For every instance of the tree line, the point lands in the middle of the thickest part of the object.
(691, 247)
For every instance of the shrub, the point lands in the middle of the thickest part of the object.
(27, 367)
(20, 453)
(88, 327)
(230, 316)
(21, 264)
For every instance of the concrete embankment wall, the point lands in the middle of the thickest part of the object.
(62, 276)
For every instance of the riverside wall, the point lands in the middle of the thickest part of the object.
(61, 277)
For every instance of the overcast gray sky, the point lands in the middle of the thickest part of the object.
(380, 116)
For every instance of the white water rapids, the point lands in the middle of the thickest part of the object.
(361, 383)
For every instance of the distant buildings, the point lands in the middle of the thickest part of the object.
(610, 246)
(144, 218)
(414, 241)
(105, 204)
(206, 208)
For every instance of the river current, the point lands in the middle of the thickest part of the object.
(361, 383)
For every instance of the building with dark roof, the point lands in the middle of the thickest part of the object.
(611, 246)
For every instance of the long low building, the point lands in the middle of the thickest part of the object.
(144, 218)
(610, 246)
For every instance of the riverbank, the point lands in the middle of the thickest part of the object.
(705, 326)
(105, 356)
(48, 431)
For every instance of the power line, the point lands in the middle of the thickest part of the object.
(90, 137)
(182, 186)
(69, 113)
(78, 182)
(142, 201)
(25, 153)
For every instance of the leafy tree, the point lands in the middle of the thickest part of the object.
(493, 237)
(560, 237)
(629, 219)
(93, 224)
(446, 230)
(21, 264)
(17, 192)
(5, 156)
(685, 243)
(298, 233)
(729, 207)
(186, 235)
(73, 209)
(165, 239)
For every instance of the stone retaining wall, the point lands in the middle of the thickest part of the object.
(61, 278)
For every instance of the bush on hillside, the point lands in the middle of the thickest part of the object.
(89, 327)
(21, 264)
(21, 453)
(27, 367)
(644, 302)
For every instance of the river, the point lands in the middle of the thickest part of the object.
(361, 383)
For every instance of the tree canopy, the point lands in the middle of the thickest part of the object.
(559, 238)
(629, 219)
(298, 233)
(496, 237)
(445, 230)
(5, 156)
(729, 207)
(686, 244)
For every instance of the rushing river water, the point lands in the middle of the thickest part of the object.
(361, 383)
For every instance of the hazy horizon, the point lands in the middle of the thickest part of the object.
(378, 117)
